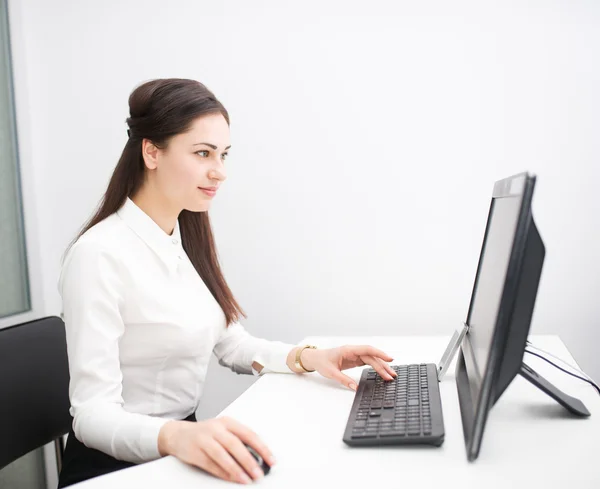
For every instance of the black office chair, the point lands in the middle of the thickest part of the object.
(34, 388)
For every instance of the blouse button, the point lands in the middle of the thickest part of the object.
(174, 241)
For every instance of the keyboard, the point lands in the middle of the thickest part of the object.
(402, 411)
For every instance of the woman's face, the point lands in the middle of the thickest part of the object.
(191, 162)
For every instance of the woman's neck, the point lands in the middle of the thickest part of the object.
(159, 211)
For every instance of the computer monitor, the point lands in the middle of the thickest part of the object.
(497, 325)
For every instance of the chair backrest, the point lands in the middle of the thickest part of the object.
(34, 386)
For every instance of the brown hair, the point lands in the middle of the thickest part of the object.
(160, 109)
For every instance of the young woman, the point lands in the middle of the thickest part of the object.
(145, 303)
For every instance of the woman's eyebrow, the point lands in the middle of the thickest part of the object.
(211, 145)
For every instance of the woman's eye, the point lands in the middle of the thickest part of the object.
(223, 156)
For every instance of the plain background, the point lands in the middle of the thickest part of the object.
(365, 144)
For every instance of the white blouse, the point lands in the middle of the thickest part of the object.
(141, 326)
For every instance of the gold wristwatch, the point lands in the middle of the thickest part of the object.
(298, 363)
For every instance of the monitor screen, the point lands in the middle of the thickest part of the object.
(489, 284)
(501, 305)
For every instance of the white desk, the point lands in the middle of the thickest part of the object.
(529, 441)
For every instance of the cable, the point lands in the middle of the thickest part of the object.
(589, 381)
(560, 360)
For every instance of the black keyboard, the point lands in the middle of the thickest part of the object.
(405, 410)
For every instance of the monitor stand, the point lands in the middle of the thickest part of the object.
(570, 403)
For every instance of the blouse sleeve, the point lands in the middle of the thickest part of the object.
(92, 295)
(237, 349)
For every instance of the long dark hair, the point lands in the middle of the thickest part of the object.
(160, 109)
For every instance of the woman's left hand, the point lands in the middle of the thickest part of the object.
(330, 362)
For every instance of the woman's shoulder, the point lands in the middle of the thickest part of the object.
(94, 257)
(103, 238)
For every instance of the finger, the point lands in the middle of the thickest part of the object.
(372, 351)
(388, 369)
(344, 379)
(206, 463)
(378, 367)
(223, 459)
(236, 448)
(251, 438)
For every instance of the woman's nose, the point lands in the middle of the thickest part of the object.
(218, 175)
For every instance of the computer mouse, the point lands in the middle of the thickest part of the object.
(262, 464)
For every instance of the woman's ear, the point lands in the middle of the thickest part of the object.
(150, 154)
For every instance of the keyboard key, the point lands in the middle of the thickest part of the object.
(364, 435)
(374, 414)
(392, 433)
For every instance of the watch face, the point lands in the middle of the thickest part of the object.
(298, 362)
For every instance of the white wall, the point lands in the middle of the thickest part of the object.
(366, 141)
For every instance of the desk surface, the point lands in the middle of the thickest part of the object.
(529, 440)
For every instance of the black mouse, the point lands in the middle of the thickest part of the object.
(262, 464)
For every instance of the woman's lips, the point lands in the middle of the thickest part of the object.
(209, 192)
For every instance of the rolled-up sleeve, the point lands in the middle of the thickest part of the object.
(238, 349)
(92, 293)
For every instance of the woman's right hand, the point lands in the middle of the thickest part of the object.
(215, 445)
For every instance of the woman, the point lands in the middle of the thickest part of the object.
(145, 303)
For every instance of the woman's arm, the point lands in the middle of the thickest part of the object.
(92, 294)
(291, 361)
(242, 352)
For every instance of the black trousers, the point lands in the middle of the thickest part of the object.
(81, 463)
